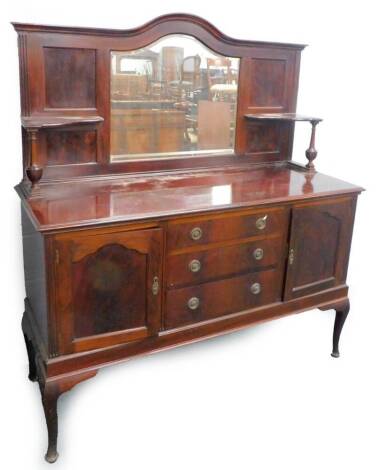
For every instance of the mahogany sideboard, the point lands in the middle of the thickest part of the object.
(160, 204)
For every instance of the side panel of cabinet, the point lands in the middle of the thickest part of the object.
(320, 240)
(268, 83)
(108, 288)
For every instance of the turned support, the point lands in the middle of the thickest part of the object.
(311, 152)
(34, 170)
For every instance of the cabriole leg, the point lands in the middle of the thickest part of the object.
(51, 391)
(50, 395)
(341, 315)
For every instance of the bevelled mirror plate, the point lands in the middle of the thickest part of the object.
(174, 98)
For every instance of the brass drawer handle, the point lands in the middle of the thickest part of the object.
(258, 254)
(196, 233)
(256, 288)
(261, 222)
(195, 265)
(193, 303)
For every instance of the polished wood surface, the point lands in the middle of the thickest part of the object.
(281, 117)
(130, 199)
(208, 264)
(236, 297)
(43, 122)
(131, 257)
(311, 152)
(104, 293)
(80, 65)
(224, 228)
(318, 258)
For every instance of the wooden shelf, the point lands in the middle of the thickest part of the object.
(45, 122)
(281, 117)
(311, 152)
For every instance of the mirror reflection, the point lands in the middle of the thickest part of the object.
(175, 97)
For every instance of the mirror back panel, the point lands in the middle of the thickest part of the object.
(171, 94)
(173, 98)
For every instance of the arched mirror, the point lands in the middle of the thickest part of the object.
(173, 98)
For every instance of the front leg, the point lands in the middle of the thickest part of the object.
(341, 315)
(50, 394)
(51, 390)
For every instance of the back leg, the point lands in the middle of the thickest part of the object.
(33, 376)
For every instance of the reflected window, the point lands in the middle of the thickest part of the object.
(173, 98)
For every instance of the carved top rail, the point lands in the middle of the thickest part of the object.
(174, 19)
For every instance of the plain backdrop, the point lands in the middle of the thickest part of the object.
(269, 397)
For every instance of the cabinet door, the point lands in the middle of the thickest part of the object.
(319, 247)
(108, 288)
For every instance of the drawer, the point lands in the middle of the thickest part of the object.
(214, 299)
(199, 266)
(212, 229)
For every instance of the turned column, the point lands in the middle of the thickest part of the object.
(34, 169)
(311, 152)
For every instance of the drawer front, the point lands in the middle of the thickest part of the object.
(214, 299)
(217, 229)
(206, 265)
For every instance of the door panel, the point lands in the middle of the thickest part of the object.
(319, 247)
(105, 290)
(104, 295)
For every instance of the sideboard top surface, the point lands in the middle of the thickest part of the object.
(126, 199)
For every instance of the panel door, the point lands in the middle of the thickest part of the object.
(319, 247)
(108, 288)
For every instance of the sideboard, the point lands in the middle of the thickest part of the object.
(160, 203)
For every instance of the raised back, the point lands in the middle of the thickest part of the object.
(66, 96)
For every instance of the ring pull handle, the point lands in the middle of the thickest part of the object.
(193, 303)
(195, 266)
(261, 222)
(258, 254)
(196, 233)
(256, 288)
